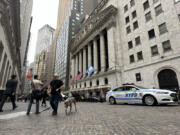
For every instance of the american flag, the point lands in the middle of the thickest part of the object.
(79, 76)
(71, 79)
(29, 73)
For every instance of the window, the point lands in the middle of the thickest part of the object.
(97, 82)
(134, 14)
(135, 25)
(166, 46)
(132, 3)
(155, 1)
(151, 34)
(106, 81)
(140, 55)
(146, 5)
(128, 30)
(138, 77)
(127, 19)
(179, 16)
(138, 40)
(148, 16)
(132, 60)
(130, 44)
(158, 10)
(126, 8)
(162, 28)
(85, 84)
(118, 89)
(129, 88)
(90, 84)
(154, 50)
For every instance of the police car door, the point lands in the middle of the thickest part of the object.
(118, 94)
(131, 94)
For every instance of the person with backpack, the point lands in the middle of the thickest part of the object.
(55, 85)
(36, 94)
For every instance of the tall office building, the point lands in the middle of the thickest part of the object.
(128, 41)
(26, 21)
(75, 16)
(44, 41)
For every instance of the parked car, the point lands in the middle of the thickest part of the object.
(136, 94)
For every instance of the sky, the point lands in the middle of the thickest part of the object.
(44, 12)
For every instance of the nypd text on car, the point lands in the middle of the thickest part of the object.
(135, 94)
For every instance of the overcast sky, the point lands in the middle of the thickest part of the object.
(44, 12)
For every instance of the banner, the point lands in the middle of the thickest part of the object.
(29, 73)
(90, 70)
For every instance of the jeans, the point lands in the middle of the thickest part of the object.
(54, 101)
(30, 104)
(4, 98)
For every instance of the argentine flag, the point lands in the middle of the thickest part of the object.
(90, 70)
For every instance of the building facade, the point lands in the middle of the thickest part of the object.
(10, 41)
(44, 41)
(128, 41)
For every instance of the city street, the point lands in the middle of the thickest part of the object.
(94, 119)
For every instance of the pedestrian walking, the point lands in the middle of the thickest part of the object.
(44, 96)
(55, 85)
(10, 91)
(36, 94)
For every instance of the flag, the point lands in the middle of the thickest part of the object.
(90, 70)
(29, 73)
(71, 79)
(79, 76)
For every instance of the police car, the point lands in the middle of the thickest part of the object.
(135, 94)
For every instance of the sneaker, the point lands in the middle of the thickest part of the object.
(15, 107)
(37, 113)
(54, 113)
(1, 110)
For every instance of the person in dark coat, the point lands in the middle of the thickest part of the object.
(10, 92)
(55, 85)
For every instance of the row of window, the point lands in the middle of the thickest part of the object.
(154, 51)
(90, 83)
(151, 34)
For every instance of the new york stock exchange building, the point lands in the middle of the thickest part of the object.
(127, 41)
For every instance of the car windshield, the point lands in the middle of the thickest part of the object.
(140, 87)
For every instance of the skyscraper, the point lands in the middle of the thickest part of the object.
(75, 16)
(44, 41)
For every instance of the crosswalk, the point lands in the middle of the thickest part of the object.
(12, 115)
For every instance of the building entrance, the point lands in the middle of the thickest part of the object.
(168, 79)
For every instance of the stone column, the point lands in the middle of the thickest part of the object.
(75, 63)
(111, 47)
(95, 55)
(1, 62)
(80, 61)
(84, 61)
(72, 67)
(5, 74)
(89, 55)
(102, 49)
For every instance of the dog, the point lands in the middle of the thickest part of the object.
(68, 103)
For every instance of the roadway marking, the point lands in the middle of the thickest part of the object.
(12, 115)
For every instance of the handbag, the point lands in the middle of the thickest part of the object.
(37, 94)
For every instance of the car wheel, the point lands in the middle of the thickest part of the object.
(112, 100)
(149, 101)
